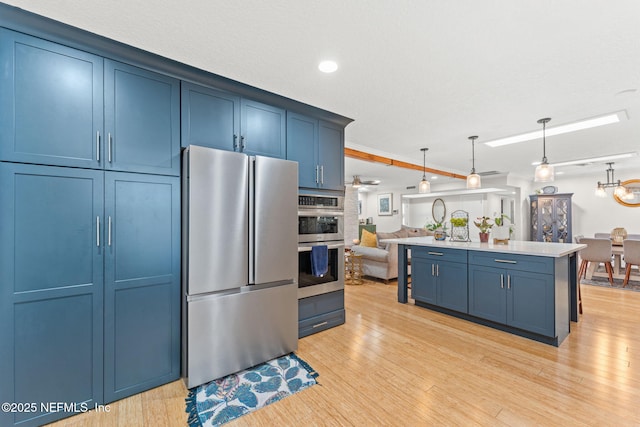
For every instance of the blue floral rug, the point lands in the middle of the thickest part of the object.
(228, 398)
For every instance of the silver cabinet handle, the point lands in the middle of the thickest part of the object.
(317, 174)
(433, 273)
(508, 281)
(320, 324)
(506, 261)
(502, 281)
(242, 146)
(109, 147)
(98, 146)
(109, 233)
(235, 142)
(435, 253)
(322, 174)
(438, 270)
(98, 231)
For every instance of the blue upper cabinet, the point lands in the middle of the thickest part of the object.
(210, 118)
(51, 108)
(331, 156)
(51, 288)
(142, 283)
(302, 143)
(142, 120)
(318, 147)
(218, 119)
(262, 129)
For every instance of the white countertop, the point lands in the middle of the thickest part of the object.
(545, 249)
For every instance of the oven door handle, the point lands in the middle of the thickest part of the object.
(329, 246)
(316, 213)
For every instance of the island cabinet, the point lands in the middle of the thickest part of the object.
(318, 147)
(219, 119)
(66, 107)
(514, 290)
(439, 277)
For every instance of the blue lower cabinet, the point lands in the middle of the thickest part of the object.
(439, 278)
(142, 283)
(89, 287)
(320, 312)
(51, 289)
(521, 299)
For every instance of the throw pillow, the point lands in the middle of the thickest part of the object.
(368, 239)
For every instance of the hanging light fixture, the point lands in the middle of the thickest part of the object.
(544, 171)
(424, 186)
(619, 190)
(356, 183)
(473, 179)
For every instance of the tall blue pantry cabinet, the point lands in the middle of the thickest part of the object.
(89, 227)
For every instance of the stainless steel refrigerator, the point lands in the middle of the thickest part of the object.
(239, 261)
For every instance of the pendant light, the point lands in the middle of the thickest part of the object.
(473, 179)
(424, 186)
(544, 171)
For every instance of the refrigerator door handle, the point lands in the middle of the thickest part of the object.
(252, 219)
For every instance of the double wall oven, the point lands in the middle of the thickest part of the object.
(320, 222)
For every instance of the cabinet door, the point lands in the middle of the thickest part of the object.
(302, 143)
(142, 120)
(331, 156)
(51, 104)
(51, 252)
(530, 302)
(262, 129)
(487, 298)
(452, 285)
(142, 283)
(210, 118)
(423, 280)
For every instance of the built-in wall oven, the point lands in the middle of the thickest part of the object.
(320, 222)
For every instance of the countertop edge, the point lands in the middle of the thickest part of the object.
(545, 249)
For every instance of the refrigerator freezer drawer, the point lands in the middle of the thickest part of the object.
(226, 334)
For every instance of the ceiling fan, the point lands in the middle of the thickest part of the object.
(357, 182)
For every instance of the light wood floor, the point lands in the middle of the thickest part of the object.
(398, 364)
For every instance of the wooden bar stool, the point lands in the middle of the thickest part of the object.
(631, 257)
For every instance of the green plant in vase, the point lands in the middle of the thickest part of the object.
(484, 224)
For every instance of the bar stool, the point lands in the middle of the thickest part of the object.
(631, 257)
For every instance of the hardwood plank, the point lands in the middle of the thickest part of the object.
(398, 364)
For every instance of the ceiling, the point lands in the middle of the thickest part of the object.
(413, 74)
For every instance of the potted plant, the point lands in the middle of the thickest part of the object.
(484, 224)
(502, 229)
(439, 230)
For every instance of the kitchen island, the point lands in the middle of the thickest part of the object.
(526, 288)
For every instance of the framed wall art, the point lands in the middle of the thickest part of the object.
(385, 204)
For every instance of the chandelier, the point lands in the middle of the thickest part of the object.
(619, 189)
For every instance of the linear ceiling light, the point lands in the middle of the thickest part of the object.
(559, 130)
(592, 159)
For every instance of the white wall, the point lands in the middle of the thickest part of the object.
(590, 214)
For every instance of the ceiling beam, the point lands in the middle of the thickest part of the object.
(368, 157)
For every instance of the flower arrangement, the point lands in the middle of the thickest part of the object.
(484, 224)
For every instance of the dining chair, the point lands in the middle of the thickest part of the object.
(577, 238)
(633, 236)
(631, 257)
(597, 250)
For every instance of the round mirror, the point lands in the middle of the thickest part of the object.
(632, 199)
(438, 210)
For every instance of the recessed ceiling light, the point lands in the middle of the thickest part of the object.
(592, 159)
(434, 177)
(328, 66)
(558, 130)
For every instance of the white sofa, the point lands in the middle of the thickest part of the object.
(382, 261)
